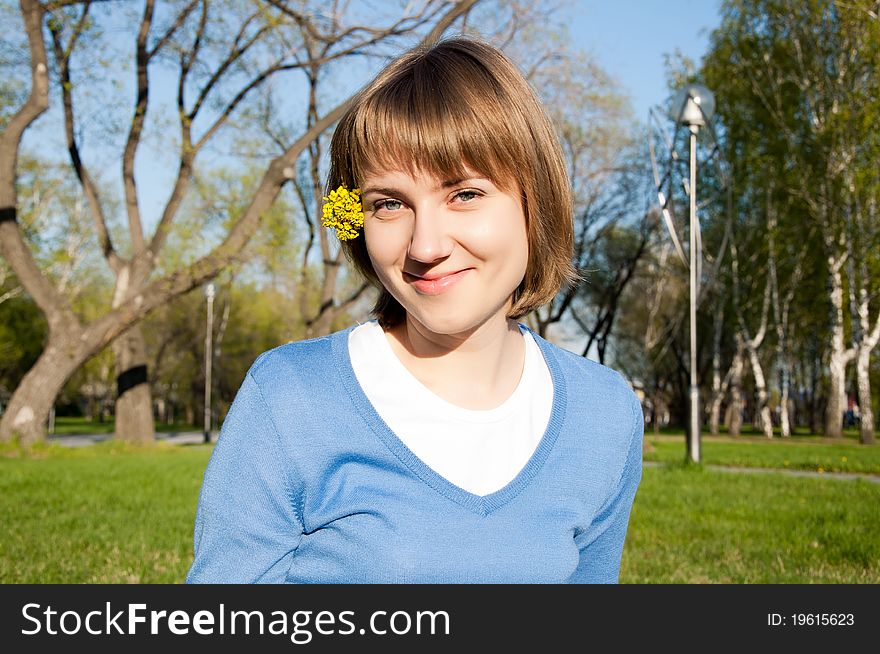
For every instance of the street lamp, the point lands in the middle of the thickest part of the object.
(209, 294)
(693, 105)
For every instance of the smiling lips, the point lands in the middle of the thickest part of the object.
(435, 285)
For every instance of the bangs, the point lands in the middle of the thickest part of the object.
(436, 118)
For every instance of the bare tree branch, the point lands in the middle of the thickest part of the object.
(62, 57)
(460, 9)
(12, 243)
(235, 55)
(176, 25)
(187, 151)
(134, 135)
(11, 293)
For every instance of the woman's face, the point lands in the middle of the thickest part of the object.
(452, 252)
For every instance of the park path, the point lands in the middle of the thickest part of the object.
(197, 437)
(177, 437)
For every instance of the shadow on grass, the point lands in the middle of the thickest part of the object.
(72, 426)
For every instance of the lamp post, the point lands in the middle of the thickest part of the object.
(209, 351)
(692, 106)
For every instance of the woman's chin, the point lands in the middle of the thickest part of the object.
(449, 322)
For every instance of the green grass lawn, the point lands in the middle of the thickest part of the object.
(760, 452)
(106, 513)
(111, 513)
(692, 525)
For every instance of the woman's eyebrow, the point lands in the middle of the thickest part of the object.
(455, 182)
(383, 190)
(388, 190)
(452, 182)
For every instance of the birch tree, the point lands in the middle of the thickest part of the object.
(782, 298)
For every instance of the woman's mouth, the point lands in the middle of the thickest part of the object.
(436, 285)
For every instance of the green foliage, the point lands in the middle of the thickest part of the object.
(798, 100)
(23, 332)
(11, 96)
(258, 318)
(54, 217)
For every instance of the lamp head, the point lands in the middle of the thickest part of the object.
(692, 105)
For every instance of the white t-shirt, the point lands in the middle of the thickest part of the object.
(480, 451)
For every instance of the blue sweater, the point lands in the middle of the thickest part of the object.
(307, 484)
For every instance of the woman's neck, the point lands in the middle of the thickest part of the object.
(477, 370)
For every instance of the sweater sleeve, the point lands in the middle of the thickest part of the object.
(601, 545)
(247, 527)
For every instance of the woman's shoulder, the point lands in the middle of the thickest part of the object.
(593, 389)
(603, 412)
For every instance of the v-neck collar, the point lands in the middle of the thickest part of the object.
(480, 504)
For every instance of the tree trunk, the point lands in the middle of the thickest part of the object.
(735, 412)
(27, 413)
(781, 308)
(866, 411)
(655, 413)
(817, 400)
(762, 410)
(784, 419)
(839, 357)
(785, 365)
(715, 414)
(134, 404)
(836, 397)
(818, 411)
(717, 394)
(735, 409)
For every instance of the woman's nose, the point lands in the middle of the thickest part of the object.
(430, 240)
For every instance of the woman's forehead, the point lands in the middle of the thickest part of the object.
(437, 179)
(402, 163)
(379, 177)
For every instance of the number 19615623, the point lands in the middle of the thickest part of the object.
(810, 620)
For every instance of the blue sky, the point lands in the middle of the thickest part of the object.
(629, 38)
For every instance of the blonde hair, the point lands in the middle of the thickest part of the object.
(461, 102)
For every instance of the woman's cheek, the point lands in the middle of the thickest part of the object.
(384, 241)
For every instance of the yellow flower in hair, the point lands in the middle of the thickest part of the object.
(343, 211)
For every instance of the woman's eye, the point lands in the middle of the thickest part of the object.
(388, 205)
(466, 196)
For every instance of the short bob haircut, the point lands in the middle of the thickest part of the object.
(439, 107)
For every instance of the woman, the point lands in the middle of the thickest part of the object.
(441, 442)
